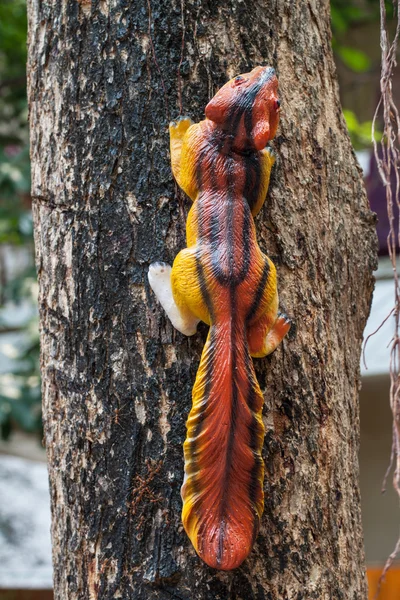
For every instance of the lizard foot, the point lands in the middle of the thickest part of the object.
(179, 127)
(159, 277)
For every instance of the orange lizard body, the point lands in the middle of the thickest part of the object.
(223, 279)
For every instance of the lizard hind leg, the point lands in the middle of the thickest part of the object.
(265, 335)
(159, 277)
(277, 332)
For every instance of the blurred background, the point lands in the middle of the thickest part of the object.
(25, 551)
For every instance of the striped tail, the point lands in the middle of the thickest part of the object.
(223, 488)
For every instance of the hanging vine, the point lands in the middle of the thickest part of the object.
(387, 154)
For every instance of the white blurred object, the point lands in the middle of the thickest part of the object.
(377, 349)
(364, 159)
(25, 549)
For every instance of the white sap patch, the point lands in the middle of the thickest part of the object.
(140, 412)
(104, 7)
(133, 207)
(165, 426)
(117, 362)
(204, 47)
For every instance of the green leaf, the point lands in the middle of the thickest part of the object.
(339, 22)
(360, 133)
(354, 59)
(351, 120)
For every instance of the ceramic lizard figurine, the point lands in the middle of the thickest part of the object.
(223, 279)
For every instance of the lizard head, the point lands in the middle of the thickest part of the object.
(247, 108)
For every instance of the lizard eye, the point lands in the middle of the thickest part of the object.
(277, 104)
(238, 80)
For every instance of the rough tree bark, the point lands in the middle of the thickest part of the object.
(104, 80)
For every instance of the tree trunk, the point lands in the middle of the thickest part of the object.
(104, 80)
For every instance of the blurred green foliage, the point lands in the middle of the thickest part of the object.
(354, 59)
(360, 133)
(345, 16)
(19, 339)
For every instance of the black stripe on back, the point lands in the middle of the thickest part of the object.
(254, 427)
(209, 372)
(259, 294)
(252, 184)
(228, 277)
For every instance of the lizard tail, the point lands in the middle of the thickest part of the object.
(223, 488)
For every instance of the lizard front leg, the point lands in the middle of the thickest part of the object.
(177, 131)
(267, 161)
(185, 138)
(159, 277)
